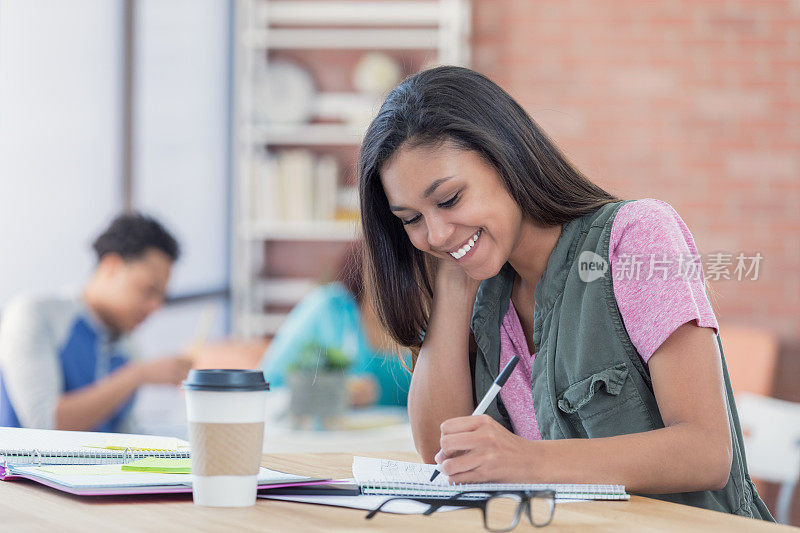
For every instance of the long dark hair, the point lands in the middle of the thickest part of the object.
(465, 108)
(351, 271)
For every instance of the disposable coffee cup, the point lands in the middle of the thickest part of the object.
(225, 410)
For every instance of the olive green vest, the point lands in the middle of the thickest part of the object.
(588, 380)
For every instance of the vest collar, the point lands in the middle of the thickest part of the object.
(558, 266)
(491, 302)
(490, 294)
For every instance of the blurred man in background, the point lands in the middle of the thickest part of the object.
(66, 362)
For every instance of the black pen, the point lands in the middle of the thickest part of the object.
(488, 398)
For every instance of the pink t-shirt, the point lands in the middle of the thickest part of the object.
(658, 285)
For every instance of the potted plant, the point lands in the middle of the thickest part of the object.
(317, 385)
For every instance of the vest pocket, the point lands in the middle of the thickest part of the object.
(593, 404)
(608, 382)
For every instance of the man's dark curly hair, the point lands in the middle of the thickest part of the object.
(130, 236)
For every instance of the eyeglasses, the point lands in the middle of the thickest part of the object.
(501, 509)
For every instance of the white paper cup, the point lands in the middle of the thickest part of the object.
(225, 411)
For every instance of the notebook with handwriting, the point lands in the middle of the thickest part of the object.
(401, 478)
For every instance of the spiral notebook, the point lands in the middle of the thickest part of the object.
(111, 480)
(90, 464)
(401, 478)
(43, 446)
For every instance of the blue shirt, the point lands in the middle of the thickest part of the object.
(49, 346)
(330, 317)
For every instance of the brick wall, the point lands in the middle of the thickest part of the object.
(693, 102)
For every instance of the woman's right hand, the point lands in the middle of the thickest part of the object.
(451, 280)
(441, 387)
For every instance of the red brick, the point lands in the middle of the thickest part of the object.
(695, 101)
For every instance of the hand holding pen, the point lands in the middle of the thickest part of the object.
(490, 395)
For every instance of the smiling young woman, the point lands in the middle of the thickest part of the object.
(474, 225)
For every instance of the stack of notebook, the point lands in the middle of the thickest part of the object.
(91, 464)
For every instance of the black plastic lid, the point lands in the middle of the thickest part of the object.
(224, 380)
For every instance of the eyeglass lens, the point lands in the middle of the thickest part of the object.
(540, 509)
(502, 512)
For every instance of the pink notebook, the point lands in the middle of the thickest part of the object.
(88, 464)
(104, 484)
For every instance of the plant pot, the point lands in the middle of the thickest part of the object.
(317, 399)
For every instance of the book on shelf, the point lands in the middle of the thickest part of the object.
(294, 186)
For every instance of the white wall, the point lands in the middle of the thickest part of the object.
(61, 66)
(180, 163)
(61, 98)
(60, 120)
(181, 131)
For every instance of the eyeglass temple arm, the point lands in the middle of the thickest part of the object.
(375, 511)
(379, 508)
(452, 501)
(432, 508)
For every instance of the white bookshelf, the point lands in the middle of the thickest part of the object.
(304, 135)
(388, 13)
(441, 27)
(301, 231)
(337, 39)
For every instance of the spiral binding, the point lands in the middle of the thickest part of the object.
(35, 457)
(563, 491)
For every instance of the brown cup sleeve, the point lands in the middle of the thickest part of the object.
(226, 449)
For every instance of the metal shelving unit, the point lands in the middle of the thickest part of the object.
(261, 26)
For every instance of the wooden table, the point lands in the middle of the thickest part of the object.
(28, 506)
